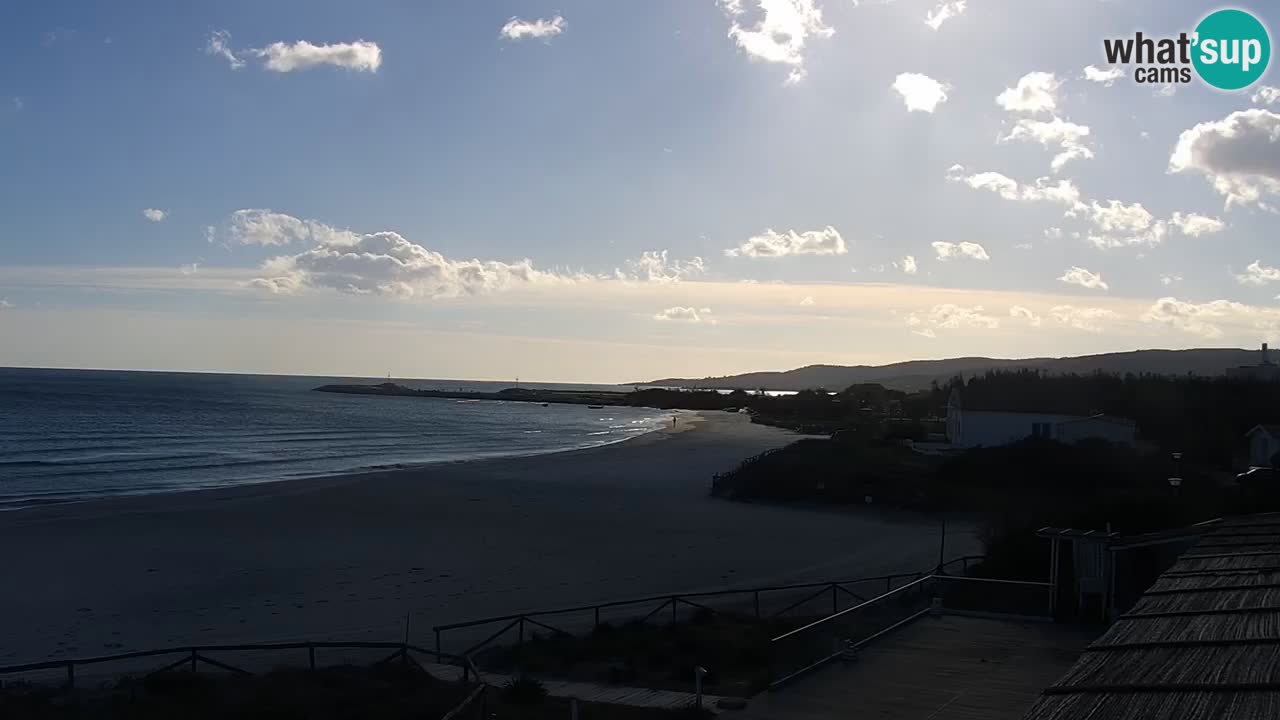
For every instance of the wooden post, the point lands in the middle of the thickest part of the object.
(71, 675)
(193, 660)
(573, 708)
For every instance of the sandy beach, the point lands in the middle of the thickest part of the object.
(347, 557)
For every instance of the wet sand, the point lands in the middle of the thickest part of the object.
(349, 557)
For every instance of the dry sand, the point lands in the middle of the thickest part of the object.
(346, 558)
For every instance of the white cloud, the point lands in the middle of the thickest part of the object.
(1195, 225)
(950, 316)
(1107, 77)
(1258, 274)
(684, 314)
(1170, 279)
(1018, 311)
(655, 266)
(970, 250)
(518, 29)
(1239, 155)
(771, 244)
(267, 227)
(1267, 95)
(1068, 136)
(1123, 225)
(909, 265)
(1207, 319)
(1084, 278)
(1166, 90)
(1089, 319)
(808, 301)
(1053, 233)
(360, 56)
(1062, 191)
(920, 92)
(219, 45)
(780, 31)
(154, 215)
(5, 304)
(944, 11)
(1035, 92)
(385, 263)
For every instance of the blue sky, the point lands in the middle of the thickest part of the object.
(806, 212)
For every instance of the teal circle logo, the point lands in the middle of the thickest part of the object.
(1231, 49)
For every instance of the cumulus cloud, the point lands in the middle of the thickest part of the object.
(1089, 319)
(950, 316)
(1239, 155)
(1195, 225)
(267, 227)
(1121, 225)
(964, 250)
(684, 314)
(909, 265)
(920, 92)
(1084, 278)
(384, 263)
(1258, 274)
(780, 30)
(1018, 311)
(943, 12)
(1067, 136)
(1035, 92)
(656, 266)
(1043, 189)
(518, 29)
(1170, 279)
(154, 215)
(281, 57)
(1267, 95)
(771, 244)
(1107, 77)
(1207, 319)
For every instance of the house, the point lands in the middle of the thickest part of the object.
(992, 422)
(1264, 443)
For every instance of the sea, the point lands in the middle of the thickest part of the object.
(73, 435)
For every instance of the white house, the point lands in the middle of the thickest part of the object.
(1264, 442)
(992, 426)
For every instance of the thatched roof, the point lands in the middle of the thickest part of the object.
(1203, 642)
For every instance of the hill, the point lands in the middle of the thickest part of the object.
(918, 374)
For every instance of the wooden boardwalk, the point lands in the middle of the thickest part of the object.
(947, 668)
(593, 692)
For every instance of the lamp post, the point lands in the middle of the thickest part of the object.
(1175, 482)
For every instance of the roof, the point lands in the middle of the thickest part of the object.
(1102, 418)
(1033, 399)
(1272, 430)
(1200, 643)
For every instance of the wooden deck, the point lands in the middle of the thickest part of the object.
(594, 692)
(947, 668)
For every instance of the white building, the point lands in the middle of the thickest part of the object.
(993, 427)
(1264, 442)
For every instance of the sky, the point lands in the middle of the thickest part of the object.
(587, 191)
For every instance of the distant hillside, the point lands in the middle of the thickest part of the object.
(918, 374)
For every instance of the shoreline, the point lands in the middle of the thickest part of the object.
(351, 557)
(693, 416)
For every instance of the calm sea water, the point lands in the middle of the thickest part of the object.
(71, 435)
